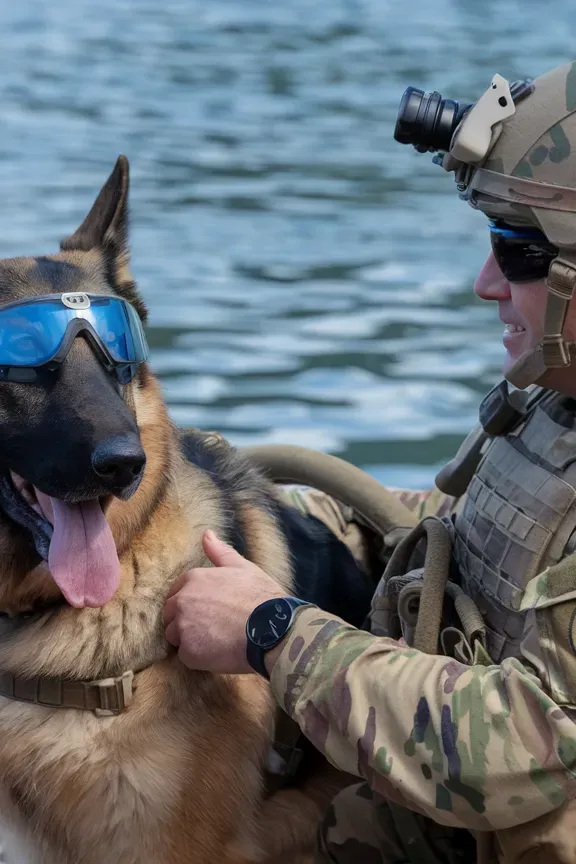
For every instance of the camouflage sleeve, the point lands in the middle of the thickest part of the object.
(479, 747)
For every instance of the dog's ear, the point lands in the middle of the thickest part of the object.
(107, 222)
(106, 228)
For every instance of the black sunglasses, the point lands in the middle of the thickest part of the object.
(523, 254)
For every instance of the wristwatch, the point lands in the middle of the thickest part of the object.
(266, 626)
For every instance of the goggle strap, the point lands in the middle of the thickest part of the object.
(561, 282)
(519, 233)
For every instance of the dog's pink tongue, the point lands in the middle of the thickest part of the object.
(82, 558)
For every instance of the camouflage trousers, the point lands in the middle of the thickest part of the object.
(359, 826)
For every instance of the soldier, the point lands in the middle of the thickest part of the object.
(462, 731)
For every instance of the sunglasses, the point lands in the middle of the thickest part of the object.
(40, 332)
(523, 254)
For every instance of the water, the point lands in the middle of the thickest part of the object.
(308, 279)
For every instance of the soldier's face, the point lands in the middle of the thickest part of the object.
(521, 308)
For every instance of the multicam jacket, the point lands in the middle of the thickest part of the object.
(485, 746)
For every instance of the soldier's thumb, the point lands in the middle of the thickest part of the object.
(220, 553)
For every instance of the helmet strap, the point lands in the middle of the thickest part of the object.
(552, 352)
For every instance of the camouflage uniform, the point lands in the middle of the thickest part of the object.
(463, 747)
(484, 741)
(360, 826)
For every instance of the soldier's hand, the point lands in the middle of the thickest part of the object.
(207, 608)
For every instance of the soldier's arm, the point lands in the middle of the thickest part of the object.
(478, 747)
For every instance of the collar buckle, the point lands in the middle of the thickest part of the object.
(115, 694)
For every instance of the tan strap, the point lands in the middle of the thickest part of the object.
(284, 463)
(560, 283)
(471, 621)
(436, 571)
(468, 615)
(105, 698)
(520, 190)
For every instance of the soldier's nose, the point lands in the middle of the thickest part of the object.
(491, 284)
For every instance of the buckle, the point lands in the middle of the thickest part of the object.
(115, 694)
(561, 279)
(556, 352)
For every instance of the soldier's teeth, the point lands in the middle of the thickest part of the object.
(513, 328)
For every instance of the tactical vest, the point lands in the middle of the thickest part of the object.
(518, 516)
(514, 479)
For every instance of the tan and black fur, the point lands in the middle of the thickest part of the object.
(178, 777)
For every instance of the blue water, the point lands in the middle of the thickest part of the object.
(309, 280)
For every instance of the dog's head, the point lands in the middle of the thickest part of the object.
(72, 435)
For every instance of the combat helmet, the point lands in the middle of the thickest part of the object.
(513, 154)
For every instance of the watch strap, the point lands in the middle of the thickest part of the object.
(255, 656)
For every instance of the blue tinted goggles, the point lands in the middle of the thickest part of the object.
(40, 332)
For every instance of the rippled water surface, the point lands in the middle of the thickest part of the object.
(309, 280)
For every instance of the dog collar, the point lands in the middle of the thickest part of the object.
(106, 697)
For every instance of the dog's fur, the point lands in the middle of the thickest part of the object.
(177, 777)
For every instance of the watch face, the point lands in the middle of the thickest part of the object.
(270, 623)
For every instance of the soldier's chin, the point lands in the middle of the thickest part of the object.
(510, 361)
(516, 344)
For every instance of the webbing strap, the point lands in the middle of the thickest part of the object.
(106, 697)
(521, 190)
(436, 572)
(560, 283)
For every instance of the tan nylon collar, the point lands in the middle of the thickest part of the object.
(106, 697)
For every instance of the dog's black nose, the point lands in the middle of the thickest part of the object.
(118, 462)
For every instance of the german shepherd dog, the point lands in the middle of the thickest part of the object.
(111, 751)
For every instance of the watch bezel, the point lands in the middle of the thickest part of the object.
(258, 647)
(279, 611)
